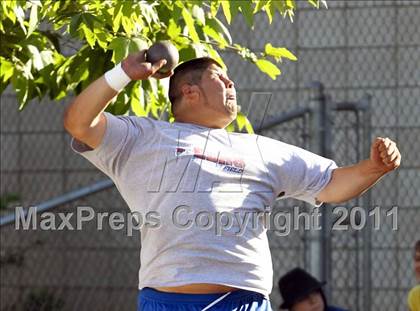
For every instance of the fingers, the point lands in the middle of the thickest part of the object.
(152, 70)
(137, 68)
(160, 75)
(392, 158)
(384, 144)
(388, 152)
(158, 65)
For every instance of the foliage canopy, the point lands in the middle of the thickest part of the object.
(57, 47)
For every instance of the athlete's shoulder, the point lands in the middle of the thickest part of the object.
(145, 122)
(274, 143)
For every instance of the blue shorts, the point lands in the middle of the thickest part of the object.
(150, 299)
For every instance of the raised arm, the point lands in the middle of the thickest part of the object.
(352, 181)
(84, 118)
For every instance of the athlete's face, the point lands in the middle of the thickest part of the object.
(218, 93)
(312, 302)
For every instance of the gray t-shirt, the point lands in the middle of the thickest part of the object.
(205, 186)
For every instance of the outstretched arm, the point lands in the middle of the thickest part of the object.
(352, 181)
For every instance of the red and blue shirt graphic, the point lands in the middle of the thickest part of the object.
(229, 164)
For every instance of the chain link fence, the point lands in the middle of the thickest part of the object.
(354, 48)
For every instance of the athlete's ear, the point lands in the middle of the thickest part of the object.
(190, 92)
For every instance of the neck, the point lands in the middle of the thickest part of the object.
(202, 120)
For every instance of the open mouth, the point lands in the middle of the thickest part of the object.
(231, 97)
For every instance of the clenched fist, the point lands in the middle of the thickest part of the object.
(385, 155)
(136, 67)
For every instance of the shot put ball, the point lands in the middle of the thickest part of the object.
(163, 50)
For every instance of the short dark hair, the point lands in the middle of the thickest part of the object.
(188, 72)
(417, 247)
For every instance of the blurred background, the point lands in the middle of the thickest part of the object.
(365, 56)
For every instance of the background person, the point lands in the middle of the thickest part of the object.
(302, 292)
(417, 261)
(414, 294)
(414, 298)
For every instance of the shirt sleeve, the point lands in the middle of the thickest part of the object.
(120, 136)
(307, 174)
(296, 172)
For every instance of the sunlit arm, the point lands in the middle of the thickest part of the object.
(352, 181)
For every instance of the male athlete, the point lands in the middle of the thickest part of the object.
(192, 168)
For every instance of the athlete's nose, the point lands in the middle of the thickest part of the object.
(228, 82)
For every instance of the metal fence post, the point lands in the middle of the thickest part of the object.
(367, 239)
(321, 142)
(326, 221)
(315, 245)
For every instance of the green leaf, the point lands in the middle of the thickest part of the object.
(117, 17)
(213, 54)
(136, 45)
(260, 4)
(190, 25)
(230, 127)
(33, 20)
(7, 10)
(268, 67)
(149, 13)
(21, 87)
(20, 16)
(26, 70)
(199, 50)
(120, 46)
(198, 14)
(290, 4)
(137, 100)
(81, 73)
(173, 30)
(47, 58)
(74, 25)
(127, 25)
(315, 3)
(182, 41)
(270, 10)
(235, 7)
(280, 5)
(246, 9)
(89, 36)
(218, 26)
(153, 85)
(6, 69)
(177, 12)
(89, 21)
(121, 104)
(214, 7)
(35, 56)
(215, 35)
(102, 38)
(243, 122)
(291, 14)
(226, 10)
(62, 94)
(278, 53)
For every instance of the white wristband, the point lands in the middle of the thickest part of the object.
(116, 78)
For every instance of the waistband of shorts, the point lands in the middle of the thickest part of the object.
(155, 295)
